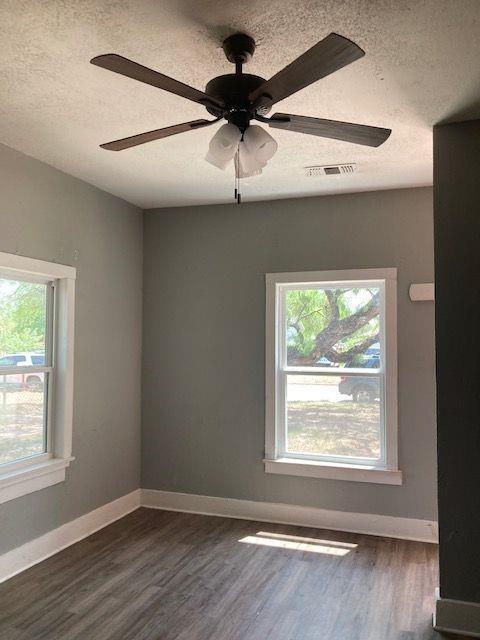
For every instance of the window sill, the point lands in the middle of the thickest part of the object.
(19, 482)
(332, 471)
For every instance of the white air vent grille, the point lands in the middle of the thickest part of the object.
(330, 170)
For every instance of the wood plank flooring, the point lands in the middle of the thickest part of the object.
(159, 575)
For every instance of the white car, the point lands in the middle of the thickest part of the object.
(23, 359)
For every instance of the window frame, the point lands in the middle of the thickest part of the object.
(48, 369)
(38, 471)
(277, 460)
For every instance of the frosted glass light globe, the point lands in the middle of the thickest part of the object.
(223, 146)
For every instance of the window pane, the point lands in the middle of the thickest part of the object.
(22, 416)
(22, 322)
(334, 415)
(333, 327)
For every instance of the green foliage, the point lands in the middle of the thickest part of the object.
(310, 313)
(22, 316)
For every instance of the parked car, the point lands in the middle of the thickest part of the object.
(324, 362)
(373, 350)
(361, 388)
(23, 359)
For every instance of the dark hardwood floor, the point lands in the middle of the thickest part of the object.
(160, 575)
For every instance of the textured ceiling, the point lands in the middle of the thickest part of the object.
(421, 67)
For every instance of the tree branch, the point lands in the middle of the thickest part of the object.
(340, 328)
(344, 356)
(332, 301)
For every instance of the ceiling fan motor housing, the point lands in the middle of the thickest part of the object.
(233, 90)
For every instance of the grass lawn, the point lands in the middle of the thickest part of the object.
(342, 428)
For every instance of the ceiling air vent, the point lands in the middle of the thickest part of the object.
(329, 170)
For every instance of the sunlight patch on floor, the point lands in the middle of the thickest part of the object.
(299, 543)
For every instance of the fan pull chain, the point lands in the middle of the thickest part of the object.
(236, 161)
(235, 176)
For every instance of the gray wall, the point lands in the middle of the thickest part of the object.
(49, 215)
(204, 338)
(457, 262)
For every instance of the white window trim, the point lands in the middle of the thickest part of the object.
(275, 462)
(38, 472)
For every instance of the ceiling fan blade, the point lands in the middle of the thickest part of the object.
(328, 55)
(126, 67)
(149, 136)
(347, 131)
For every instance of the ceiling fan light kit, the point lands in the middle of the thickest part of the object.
(240, 98)
(255, 147)
(223, 146)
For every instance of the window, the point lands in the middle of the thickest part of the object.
(331, 375)
(36, 373)
(26, 313)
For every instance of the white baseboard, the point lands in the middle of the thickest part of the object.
(371, 524)
(457, 616)
(41, 548)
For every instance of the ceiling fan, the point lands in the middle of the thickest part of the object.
(240, 98)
